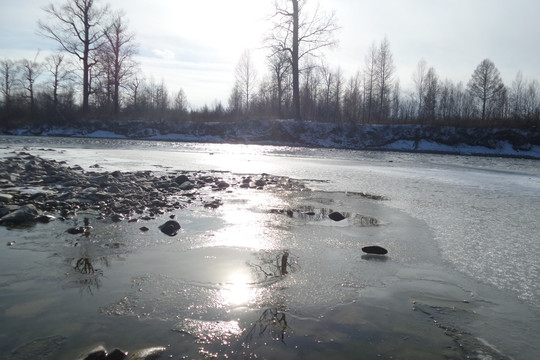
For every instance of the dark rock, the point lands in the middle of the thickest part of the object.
(24, 215)
(260, 183)
(181, 179)
(375, 250)
(98, 354)
(44, 219)
(336, 216)
(4, 210)
(222, 185)
(170, 228)
(5, 198)
(117, 217)
(116, 354)
(77, 230)
(213, 204)
(144, 229)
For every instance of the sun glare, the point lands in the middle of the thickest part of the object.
(238, 290)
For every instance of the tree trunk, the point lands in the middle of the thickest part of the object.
(86, 66)
(295, 62)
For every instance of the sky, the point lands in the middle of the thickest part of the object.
(195, 45)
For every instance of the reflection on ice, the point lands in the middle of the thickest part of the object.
(209, 331)
(238, 290)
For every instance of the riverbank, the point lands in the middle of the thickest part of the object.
(409, 138)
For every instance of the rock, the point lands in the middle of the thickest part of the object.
(170, 228)
(375, 250)
(222, 185)
(7, 209)
(181, 179)
(213, 204)
(144, 229)
(186, 185)
(5, 198)
(45, 219)
(24, 215)
(116, 354)
(336, 216)
(260, 183)
(77, 230)
(117, 217)
(99, 353)
(147, 354)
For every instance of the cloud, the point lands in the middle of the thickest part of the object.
(165, 54)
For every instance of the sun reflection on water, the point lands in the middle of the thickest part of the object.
(246, 222)
(238, 290)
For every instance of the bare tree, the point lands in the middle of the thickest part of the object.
(280, 68)
(135, 86)
(370, 79)
(181, 102)
(352, 100)
(119, 49)
(299, 33)
(8, 72)
(485, 84)
(61, 72)
(77, 27)
(429, 108)
(29, 71)
(385, 74)
(245, 78)
(419, 77)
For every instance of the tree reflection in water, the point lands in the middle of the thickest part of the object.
(273, 323)
(274, 268)
(86, 276)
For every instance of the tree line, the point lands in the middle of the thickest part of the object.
(95, 74)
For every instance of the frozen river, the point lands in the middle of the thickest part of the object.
(463, 235)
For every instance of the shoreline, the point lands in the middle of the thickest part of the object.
(511, 143)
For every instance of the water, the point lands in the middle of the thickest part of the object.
(462, 270)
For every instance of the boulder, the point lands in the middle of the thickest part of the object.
(170, 228)
(25, 214)
(377, 250)
(336, 216)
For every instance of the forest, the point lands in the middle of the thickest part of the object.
(96, 76)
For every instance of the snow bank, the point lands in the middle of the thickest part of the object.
(504, 142)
